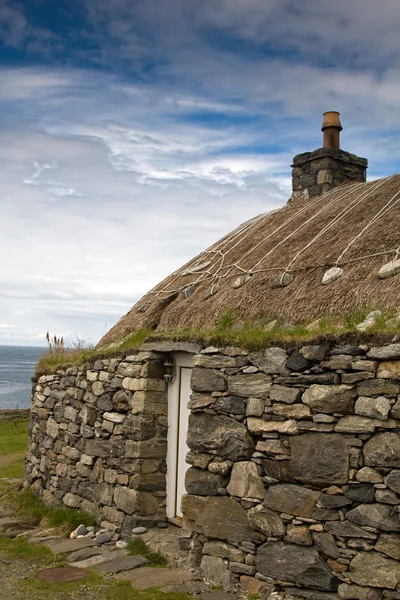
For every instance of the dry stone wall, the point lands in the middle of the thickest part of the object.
(294, 477)
(98, 440)
(295, 470)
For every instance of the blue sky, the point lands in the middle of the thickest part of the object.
(134, 133)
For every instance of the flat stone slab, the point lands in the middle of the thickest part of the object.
(9, 522)
(98, 559)
(87, 553)
(61, 575)
(60, 546)
(149, 577)
(121, 564)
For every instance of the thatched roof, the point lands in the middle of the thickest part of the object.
(355, 227)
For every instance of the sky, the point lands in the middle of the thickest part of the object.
(135, 133)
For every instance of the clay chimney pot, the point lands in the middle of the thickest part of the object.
(331, 127)
(331, 119)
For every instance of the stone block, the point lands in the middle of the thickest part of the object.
(216, 517)
(255, 407)
(363, 492)
(358, 424)
(282, 393)
(291, 499)
(315, 353)
(325, 543)
(245, 481)
(207, 380)
(98, 388)
(292, 411)
(72, 500)
(330, 398)
(324, 176)
(132, 501)
(265, 520)
(378, 387)
(380, 516)
(259, 426)
(255, 385)
(392, 480)
(389, 352)
(374, 407)
(87, 415)
(373, 569)
(126, 369)
(272, 447)
(223, 550)
(217, 361)
(133, 384)
(146, 449)
(121, 400)
(383, 450)
(296, 362)
(319, 459)
(219, 435)
(114, 417)
(216, 570)
(232, 405)
(199, 482)
(149, 402)
(389, 544)
(300, 565)
(389, 370)
(270, 360)
(298, 534)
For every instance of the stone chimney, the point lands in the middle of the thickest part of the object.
(315, 173)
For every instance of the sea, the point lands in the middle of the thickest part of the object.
(17, 365)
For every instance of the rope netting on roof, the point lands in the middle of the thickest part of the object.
(215, 265)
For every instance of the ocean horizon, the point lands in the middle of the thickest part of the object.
(17, 366)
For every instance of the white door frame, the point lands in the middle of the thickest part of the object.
(178, 414)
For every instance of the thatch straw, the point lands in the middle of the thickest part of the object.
(304, 299)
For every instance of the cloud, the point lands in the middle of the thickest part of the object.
(150, 129)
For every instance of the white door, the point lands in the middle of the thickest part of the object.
(178, 416)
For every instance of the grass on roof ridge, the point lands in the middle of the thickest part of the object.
(232, 331)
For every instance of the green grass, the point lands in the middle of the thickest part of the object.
(40, 557)
(13, 436)
(13, 444)
(138, 547)
(77, 356)
(103, 589)
(253, 335)
(26, 504)
(21, 548)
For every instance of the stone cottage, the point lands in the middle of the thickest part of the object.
(283, 461)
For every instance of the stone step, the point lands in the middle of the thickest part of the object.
(85, 553)
(9, 522)
(121, 564)
(32, 539)
(64, 546)
(148, 577)
(98, 559)
(166, 543)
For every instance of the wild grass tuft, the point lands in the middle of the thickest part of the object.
(35, 511)
(60, 355)
(134, 339)
(137, 546)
